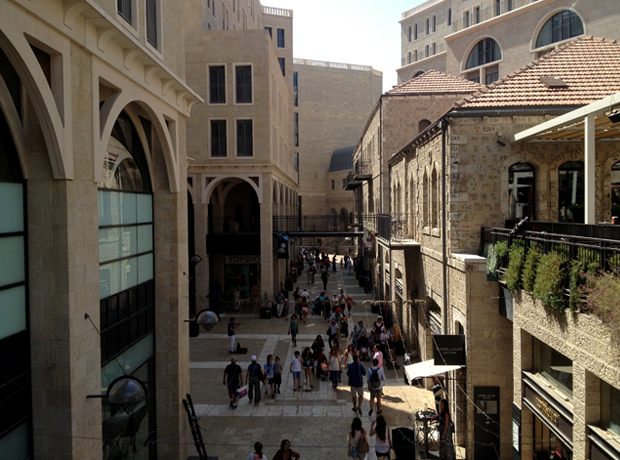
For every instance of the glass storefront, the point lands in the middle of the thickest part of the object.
(548, 446)
(553, 367)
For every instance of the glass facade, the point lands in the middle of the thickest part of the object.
(610, 409)
(554, 367)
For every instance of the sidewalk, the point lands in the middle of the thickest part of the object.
(317, 421)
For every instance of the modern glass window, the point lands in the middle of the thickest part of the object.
(218, 138)
(217, 84)
(296, 129)
(560, 26)
(610, 408)
(151, 22)
(245, 138)
(522, 191)
(127, 281)
(571, 192)
(615, 189)
(280, 41)
(449, 20)
(270, 30)
(243, 84)
(124, 9)
(282, 63)
(553, 366)
(485, 51)
(295, 89)
(15, 377)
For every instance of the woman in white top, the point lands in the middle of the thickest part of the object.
(334, 366)
(383, 443)
(356, 434)
(258, 453)
(348, 355)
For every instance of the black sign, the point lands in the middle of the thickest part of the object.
(449, 350)
(486, 423)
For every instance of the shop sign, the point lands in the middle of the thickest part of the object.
(449, 350)
(233, 260)
(547, 411)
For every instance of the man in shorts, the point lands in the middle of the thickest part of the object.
(356, 373)
(232, 379)
(375, 388)
(296, 370)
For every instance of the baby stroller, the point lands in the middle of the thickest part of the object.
(322, 368)
(362, 348)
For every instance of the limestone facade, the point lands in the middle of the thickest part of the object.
(514, 24)
(72, 74)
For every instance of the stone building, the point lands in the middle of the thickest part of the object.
(485, 40)
(262, 141)
(93, 234)
(535, 382)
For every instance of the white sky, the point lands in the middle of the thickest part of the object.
(364, 32)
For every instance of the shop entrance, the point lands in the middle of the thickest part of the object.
(547, 446)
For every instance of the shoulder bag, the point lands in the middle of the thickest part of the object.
(362, 444)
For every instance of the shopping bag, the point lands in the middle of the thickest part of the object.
(241, 392)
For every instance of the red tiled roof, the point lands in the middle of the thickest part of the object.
(589, 67)
(435, 81)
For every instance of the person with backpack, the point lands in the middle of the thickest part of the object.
(253, 376)
(358, 441)
(356, 373)
(376, 380)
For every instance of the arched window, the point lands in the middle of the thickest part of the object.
(434, 23)
(449, 19)
(427, 26)
(418, 73)
(409, 34)
(522, 191)
(485, 51)
(423, 124)
(615, 189)
(415, 31)
(435, 200)
(571, 192)
(560, 26)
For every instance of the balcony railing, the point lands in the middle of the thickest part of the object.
(391, 227)
(363, 168)
(350, 182)
(340, 223)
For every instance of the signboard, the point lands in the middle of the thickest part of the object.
(486, 423)
(449, 350)
(242, 259)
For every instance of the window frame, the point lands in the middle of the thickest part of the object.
(270, 30)
(244, 119)
(486, 63)
(130, 25)
(157, 46)
(209, 66)
(235, 85)
(282, 63)
(449, 17)
(512, 171)
(415, 31)
(534, 43)
(210, 127)
(278, 30)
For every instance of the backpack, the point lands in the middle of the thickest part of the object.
(375, 381)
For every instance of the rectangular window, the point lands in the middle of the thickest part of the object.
(296, 129)
(295, 89)
(243, 84)
(466, 19)
(498, 7)
(426, 51)
(280, 42)
(124, 9)
(491, 74)
(217, 84)
(477, 15)
(218, 138)
(151, 22)
(270, 30)
(333, 184)
(509, 2)
(434, 48)
(282, 63)
(344, 183)
(610, 408)
(296, 161)
(245, 138)
(553, 366)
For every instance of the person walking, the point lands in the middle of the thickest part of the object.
(277, 375)
(378, 355)
(258, 453)
(268, 369)
(296, 370)
(292, 329)
(376, 380)
(333, 332)
(356, 373)
(304, 309)
(356, 435)
(358, 331)
(383, 441)
(232, 328)
(285, 452)
(253, 376)
(308, 365)
(232, 379)
(446, 446)
(324, 278)
(334, 367)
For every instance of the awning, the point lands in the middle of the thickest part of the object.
(426, 369)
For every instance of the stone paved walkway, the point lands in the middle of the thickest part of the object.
(317, 421)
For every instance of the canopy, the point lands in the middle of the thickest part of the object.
(426, 369)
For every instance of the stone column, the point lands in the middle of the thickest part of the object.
(266, 245)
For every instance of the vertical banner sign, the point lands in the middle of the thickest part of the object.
(486, 419)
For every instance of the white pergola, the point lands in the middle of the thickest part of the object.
(589, 124)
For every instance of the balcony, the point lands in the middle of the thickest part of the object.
(350, 182)
(392, 229)
(331, 225)
(363, 170)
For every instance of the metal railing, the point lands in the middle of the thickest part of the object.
(249, 224)
(331, 223)
(392, 227)
(363, 167)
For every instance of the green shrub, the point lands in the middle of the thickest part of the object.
(530, 265)
(586, 262)
(512, 275)
(501, 252)
(549, 285)
(601, 294)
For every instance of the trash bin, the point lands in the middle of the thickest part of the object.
(403, 443)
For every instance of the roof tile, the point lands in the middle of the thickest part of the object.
(435, 82)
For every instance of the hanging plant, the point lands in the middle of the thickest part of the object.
(550, 278)
(601, 294)
(512, 275)
(528, 277)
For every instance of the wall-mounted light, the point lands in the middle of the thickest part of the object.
(499, 141)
